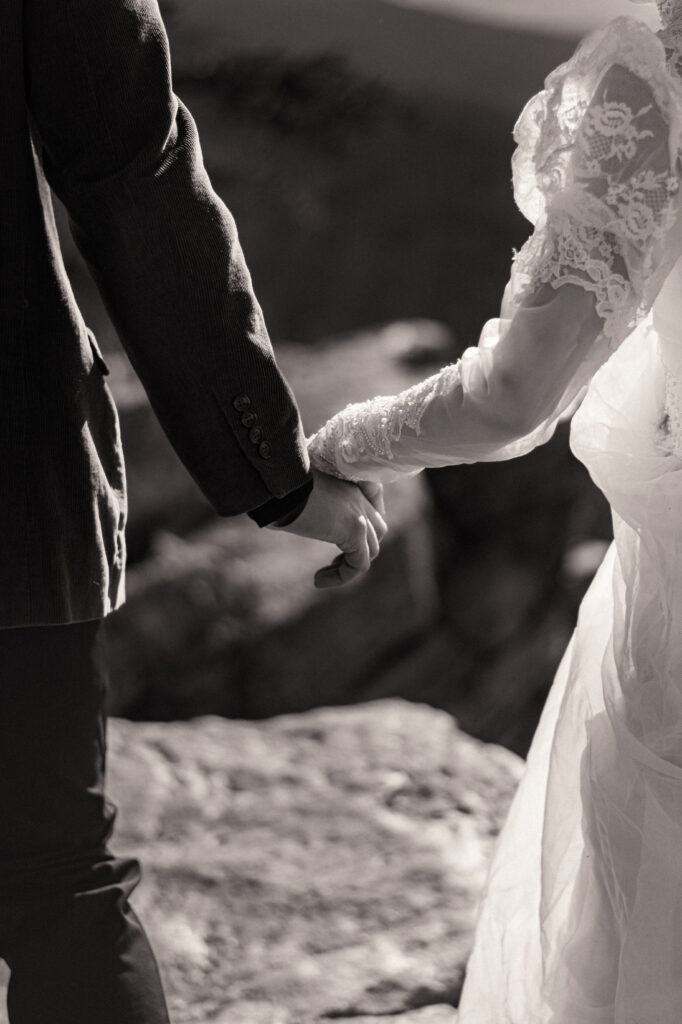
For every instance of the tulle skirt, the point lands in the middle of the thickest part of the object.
(581, 919)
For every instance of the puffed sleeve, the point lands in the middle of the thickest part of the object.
(596, 171)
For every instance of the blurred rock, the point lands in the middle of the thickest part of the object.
(427, 1015)
(317, 866)
(226, 620)
(582, 560)
(513, 564)
(501, 699)
(265, 1013)
(434, 671)
(382, 360)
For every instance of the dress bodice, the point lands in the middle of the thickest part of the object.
(667, 319)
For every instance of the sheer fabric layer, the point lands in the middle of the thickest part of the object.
(596, 172)
(581, 922)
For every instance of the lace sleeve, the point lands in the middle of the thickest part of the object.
(368, 431)
(610, 210)
(597, 171)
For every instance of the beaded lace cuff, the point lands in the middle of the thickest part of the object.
(372, 429)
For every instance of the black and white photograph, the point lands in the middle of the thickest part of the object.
(341, 512)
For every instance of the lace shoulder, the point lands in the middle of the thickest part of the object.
(548, 126)
(596, 170)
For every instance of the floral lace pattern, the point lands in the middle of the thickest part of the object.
(582, 254)
(595, 170)
(670, 12)
(670, 426)
(576, 251)
(671, 38)
(610, 132)
(372, 427)
(603, 212)
(644, 206)
(547, 130)
(644, 201)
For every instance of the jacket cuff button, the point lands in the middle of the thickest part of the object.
(241, 403)
(264, 450)
(249, 418)
(255, 435)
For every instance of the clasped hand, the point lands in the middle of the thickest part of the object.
(348, 515)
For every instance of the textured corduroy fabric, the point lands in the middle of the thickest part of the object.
(88, 109)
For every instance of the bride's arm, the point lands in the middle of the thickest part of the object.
(601, 249)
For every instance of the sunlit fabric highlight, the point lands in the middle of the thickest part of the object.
(581, 919)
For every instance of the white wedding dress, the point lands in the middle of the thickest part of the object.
(581, 920)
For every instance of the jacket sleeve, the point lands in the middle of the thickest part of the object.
(122, 153)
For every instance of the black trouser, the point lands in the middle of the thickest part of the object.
(76, 951)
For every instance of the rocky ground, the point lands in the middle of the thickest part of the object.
(314, 867)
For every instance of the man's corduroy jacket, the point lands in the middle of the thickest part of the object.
(87, 107)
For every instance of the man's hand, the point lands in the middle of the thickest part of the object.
(347, 515)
